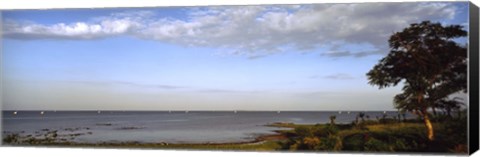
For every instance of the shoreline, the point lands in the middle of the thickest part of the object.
(276, 135)
(352, 138)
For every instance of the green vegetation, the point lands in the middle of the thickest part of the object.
(430, 65)
(384, 135)
(424, 58)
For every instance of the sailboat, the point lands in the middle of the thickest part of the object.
(15, 112)
(42, 113)
(99, 112)
(235, 111)
(348, 112)
(339, 112)
(278, 112)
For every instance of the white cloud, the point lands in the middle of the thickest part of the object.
(339, 76)
(106, 27)
(254, 30)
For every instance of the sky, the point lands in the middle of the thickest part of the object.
(260, 57)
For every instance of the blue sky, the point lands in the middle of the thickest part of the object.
(288, 57)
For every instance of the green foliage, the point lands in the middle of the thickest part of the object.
(303, 131)
(332, 119)
(419, 53)
(361, 126)
(376, 137)
(429, 62)
(329, 130)
(354, 142)
(386, 138)
(394, 137)
(11, 138)
(453, 133)
(332, 143)
(375, 145)
(388, 121)
(316, 137)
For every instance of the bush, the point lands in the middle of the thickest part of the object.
(11, 138)
(329, 130)
(353, 142)
(452, 134)
(312, 143)
(315, 138)
(331, 143)
(303, 131)
(386, 140)
(376, 145)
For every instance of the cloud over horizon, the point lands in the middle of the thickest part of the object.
(336, 76)
(252, 30)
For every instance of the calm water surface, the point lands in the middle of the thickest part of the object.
(171, 127)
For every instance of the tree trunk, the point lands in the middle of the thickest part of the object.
(426, 118)
(428, 125)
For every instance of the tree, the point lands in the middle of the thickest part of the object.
(428, 62)
(450, 105)
(362, 115)
(332, 119)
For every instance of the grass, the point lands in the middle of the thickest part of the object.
(390, 127)
(378, 137)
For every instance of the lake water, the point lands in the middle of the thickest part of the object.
(170, 127)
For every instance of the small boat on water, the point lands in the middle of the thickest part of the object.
(235, 111)
(15, 113)
(384, 112)
(278, 112)
(348, 112)
(42, 113)
(169, 111)
(339, 112)
(186, 111)
(99, 112)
